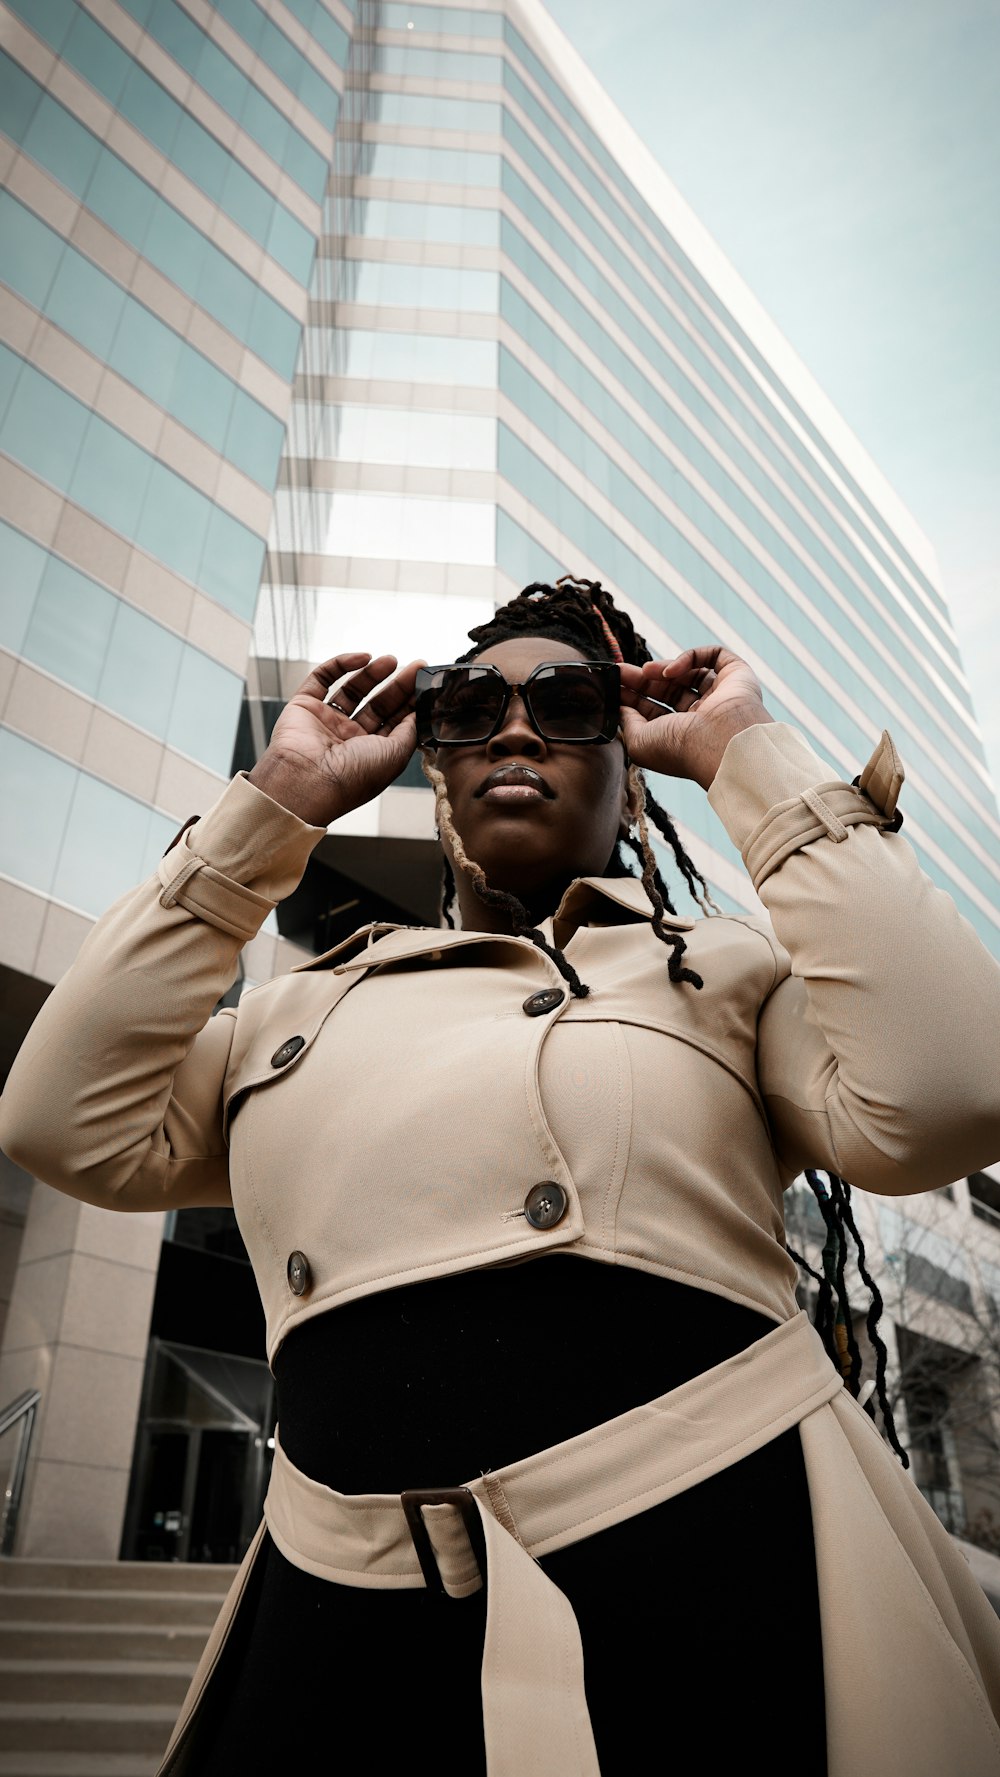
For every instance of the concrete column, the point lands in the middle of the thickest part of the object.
(77, 1328)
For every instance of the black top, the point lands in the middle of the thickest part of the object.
(699, 1617)
(430, 1384)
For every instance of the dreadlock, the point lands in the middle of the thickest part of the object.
(583, 614)
(834, 1323)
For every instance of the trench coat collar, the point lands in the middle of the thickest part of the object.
(590, 900)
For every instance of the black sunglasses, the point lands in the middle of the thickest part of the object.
(564, 700)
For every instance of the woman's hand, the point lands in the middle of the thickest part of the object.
(327, 758)
(715, 695)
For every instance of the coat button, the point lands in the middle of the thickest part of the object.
(545, 1204)
(545, 1001)
(299, 1274)
(287, 1052)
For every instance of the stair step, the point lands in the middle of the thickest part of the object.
(106, 1606)
(25, 1763)
(95, 1727)
(25, 1572)
(64, 1642)
(94, 1681)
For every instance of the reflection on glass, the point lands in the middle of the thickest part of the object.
(450, 224)
(446, 166)
(411, 625)
(425, 286)
(426, 112)
(391, 527)
(409, 436)
(415, 357)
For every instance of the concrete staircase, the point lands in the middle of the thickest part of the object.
(95, 1658)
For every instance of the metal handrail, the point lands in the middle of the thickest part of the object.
(20, 1412)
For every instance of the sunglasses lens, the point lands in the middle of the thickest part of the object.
(460, 704)
(569, 704)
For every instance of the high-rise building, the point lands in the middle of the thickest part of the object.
(327, 326)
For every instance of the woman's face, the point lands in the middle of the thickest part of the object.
(566, 822)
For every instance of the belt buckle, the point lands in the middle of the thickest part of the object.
(413, 1500)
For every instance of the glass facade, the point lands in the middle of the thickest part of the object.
(640, 433)
(325, 250)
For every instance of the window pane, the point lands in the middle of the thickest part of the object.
(44, 428)
(70, 626)
(418, 357)
(424, 286)
(403, 435)
(140, 671)
(31, 251)
(427, 112)
(453, 224)
(394, 527)
(24, 563)
(103, 847)
(205, 710)
(449, 166)
(36, 789)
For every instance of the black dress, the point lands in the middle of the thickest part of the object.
(699, 1617)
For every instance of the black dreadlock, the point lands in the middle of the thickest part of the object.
(836, 1326)
(580, 613)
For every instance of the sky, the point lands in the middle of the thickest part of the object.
(846, 158)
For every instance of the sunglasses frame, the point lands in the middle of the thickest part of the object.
(605, 667)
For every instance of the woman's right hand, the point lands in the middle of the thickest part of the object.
(324, 760)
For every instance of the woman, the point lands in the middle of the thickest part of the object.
(535, 1164)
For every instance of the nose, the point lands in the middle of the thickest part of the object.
(515, 735)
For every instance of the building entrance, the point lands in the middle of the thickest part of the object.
(202, 1456)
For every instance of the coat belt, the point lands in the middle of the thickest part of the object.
(535, 1717)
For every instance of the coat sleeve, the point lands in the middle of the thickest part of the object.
(115, 1096)
(873, 1056)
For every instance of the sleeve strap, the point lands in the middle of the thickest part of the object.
(188, 882)
(827, 811)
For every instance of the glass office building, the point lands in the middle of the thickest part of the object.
(324, 326)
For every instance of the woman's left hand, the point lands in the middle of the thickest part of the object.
(713, 695)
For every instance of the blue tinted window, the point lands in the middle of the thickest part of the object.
(32, 779)
(182, 38)
(328, 34)
(43, 427)
(202, 398)
(111, 476)
(448, 166)
(140, 669)
(104, 848)
(24, 563)
(85, 303)
(231, 564)
(131, 207)
(70, 626)
(174, 521)
(282, 58)
(428, 111)
(125, 202)
(58, 142)
(146, 353)
(31, 252)
(205, 711)
(254, 439)
(19, 99)
(424, 286)
(96, 56)
(453, 224)
(438, 64)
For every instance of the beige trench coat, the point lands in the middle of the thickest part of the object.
(383, 1113)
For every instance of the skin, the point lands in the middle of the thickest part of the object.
(324, 762)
